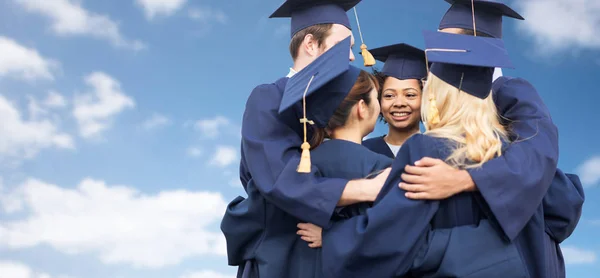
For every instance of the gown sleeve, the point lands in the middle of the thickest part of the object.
(270, 148)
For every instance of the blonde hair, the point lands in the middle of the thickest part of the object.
(470, 122)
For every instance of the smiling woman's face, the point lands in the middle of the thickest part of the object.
(401, 103)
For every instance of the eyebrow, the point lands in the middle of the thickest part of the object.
(403, 90)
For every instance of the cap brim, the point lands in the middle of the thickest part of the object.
(494, 6)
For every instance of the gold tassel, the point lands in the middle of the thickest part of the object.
(367, 56)
(305, 164)
(434, 113)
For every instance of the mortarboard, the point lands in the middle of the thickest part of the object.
(321, 86)
(402, 61)
(487, 13)
(466, 62)
(306, 13)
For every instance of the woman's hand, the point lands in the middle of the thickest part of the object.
(311, 234)
(433, 179)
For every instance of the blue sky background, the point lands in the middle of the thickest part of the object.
(125, 169)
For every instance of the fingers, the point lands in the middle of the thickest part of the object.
(406, 178)
(413, 187)
(416, 170)
(304, 233)
(384, 174)
(428, 162)
(315, 245)
(420, 196)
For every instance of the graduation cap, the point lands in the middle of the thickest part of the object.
(465, 62)
(321, 86)
(402, 61)
(306, 13)
(486, 13)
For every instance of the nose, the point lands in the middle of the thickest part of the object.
(399, 102)
(352, 58)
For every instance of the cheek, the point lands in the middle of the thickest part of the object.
(386, 105)
(415, 105)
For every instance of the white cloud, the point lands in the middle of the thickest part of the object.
(20, 138)
(194, 151)
(589, 172)
(117, 223)
(55, 100)
(224, 156)
(206, 274)
(12, 269)
(577, 27)
(207, 15)
(25, 63)
(95, 110)
(156, 121)
(69, 18)
(212, 128)
(153, 8)
(574, 255)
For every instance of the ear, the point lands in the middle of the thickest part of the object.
(310, 45)
(361, 109)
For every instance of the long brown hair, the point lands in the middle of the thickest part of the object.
(365, 83)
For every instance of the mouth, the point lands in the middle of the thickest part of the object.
(400, 116)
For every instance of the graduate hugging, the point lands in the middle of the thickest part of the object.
(477, 194)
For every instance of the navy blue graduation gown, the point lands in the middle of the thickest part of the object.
(379, 146)
(514, 184)
(388, 240)
(260, 230)
(562, 203)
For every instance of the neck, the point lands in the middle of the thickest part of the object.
(398, 137)
(352, 134)
(301, 62)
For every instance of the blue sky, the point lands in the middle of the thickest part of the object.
(120, 122)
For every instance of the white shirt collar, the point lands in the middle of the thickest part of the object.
(291, 73)
(497, 73)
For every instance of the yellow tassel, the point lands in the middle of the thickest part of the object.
(304, 166)
(367, 56)
(434, 113)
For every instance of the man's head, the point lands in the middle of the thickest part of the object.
(309, 43)
(316, 25)
(487, 14)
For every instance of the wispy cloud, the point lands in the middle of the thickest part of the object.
(154, 8)
(589, 172)
(95, 110)
(118, 223)
(194, 152)
(574, 255)
(215, 127)
(15, 269)
(224, 156)
(207, 15)
(577, 28)
(156, 121)
(23, 139)
(69, 18)
(24, 63)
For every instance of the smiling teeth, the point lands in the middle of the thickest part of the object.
(402, 114)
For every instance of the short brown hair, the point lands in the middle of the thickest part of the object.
(361, 90)
(320, 32)
(470, 32)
